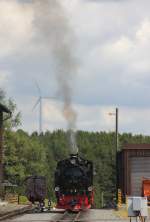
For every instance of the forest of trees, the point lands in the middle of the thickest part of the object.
(26, 155)
(38, 154)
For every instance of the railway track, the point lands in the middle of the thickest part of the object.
(83, 216)
(69, 217)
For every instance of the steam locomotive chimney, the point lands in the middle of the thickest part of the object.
(73, 144)
(73, 155)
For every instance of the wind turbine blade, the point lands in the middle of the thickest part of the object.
(37, 102)
(38, 87)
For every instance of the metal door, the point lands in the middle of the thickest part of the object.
(140, 167)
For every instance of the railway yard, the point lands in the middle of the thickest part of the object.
(87, 216)
(62, 158)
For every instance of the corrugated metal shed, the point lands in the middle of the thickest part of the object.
(133, 165)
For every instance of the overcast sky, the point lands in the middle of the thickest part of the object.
(111, 45)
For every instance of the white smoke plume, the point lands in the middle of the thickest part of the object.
(52, 24)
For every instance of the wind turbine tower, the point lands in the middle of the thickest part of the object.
(40, 103)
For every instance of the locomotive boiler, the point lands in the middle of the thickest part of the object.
(74, 183)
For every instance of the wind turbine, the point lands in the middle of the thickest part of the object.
(39, 102)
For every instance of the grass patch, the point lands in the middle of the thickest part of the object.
(23, 200)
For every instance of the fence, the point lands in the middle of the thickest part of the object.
(12, 198)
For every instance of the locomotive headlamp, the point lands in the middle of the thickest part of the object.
(90, 189)
(42, 204)
(56, 189)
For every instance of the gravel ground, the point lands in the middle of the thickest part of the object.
(102, 215)
(10, 207)
(91, 215)
(9, 210)
(36, 217)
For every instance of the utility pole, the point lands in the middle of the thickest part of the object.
(117, 112)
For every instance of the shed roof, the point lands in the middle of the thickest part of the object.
(4, 109)
(141, 146)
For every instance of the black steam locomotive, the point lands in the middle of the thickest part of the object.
(74, 183)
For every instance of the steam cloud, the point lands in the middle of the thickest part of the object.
(56, 33)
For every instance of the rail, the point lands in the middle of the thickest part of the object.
(69, 217)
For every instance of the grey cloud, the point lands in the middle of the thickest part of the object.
(104, 78)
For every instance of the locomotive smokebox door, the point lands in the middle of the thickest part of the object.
(36, 189)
